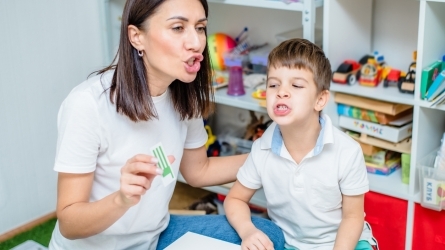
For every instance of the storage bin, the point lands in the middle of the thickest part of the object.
(429, 231)
(231, 145)
(387, 217)
(258, 58)
(432, 182)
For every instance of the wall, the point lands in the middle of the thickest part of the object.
(46, 48)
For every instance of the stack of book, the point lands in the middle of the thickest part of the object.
(383, 130)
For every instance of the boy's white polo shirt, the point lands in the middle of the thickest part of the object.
(305, 199)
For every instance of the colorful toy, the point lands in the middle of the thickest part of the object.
(347, 72)
(392, 77)
(219, 44)
(406, 85)
(212, 145)
(370, 73)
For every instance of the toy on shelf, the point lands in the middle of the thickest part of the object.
(370, 74)
(347, 73)
(220, 79)
(406, 85)
(212, 145)
(256, 127)
(392, 77)
(219, 44)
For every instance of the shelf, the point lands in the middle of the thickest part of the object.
(268, 4)
(259, 198)
(390, 94)
(390, 185)
(427, 104)
(244, 102)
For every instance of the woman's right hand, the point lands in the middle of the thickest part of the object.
(136, 178)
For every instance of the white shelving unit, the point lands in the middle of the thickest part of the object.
(395, 28)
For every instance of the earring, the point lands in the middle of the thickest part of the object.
(140, 53)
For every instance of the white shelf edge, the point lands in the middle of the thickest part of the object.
(390, 185)
(268, 4)
(258, 199)
(426, 104)
(390, 94)
(244, 102)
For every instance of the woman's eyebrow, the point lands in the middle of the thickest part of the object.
(186, 19)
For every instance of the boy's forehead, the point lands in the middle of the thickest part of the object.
(278, 71)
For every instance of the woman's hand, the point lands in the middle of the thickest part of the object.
(255, 239)
(136, 178)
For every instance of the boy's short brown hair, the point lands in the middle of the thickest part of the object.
(302, 54)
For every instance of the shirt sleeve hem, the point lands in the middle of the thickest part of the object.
(355, 191)
(73, 170)
(247, 183)
(195, 144)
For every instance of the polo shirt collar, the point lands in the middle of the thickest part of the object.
(273, 140)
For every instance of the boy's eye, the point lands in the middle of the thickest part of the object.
(271, 85)
(297, 86)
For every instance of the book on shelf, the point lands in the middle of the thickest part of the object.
(374, 116)
(371, 104)
(428, 76)
(437, 87)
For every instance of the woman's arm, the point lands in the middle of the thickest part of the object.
(352, 222)
(79, 218)
(238, 213)
(201, 171)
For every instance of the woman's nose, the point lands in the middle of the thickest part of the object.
(193, 41)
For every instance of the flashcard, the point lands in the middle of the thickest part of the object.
(167, 173)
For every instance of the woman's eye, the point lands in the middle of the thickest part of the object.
(178, 28)
(201, 29)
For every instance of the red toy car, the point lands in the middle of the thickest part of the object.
(347, 73)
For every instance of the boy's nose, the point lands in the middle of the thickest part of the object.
(283, 93)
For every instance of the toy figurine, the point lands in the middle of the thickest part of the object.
(370, 73)
(406, 85)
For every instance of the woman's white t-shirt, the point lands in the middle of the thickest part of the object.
(93, 137)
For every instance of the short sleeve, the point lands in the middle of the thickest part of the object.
(354, 178)
(196, 134)
(78, 139)
(249, 173)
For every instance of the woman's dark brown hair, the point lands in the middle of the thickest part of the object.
(129, 89)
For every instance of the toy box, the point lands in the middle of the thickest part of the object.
(370, 115)
(371, 104)
(389, 133)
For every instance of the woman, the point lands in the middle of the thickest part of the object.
(109, 193)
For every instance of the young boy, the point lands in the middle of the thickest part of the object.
(313, 175)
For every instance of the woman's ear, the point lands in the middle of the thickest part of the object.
(322, 100)
(135, 37)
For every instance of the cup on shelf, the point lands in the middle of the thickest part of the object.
(234, 63)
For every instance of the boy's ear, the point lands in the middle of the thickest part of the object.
(322, 100)
(135, 37)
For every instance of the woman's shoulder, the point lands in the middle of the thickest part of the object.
(95, 87)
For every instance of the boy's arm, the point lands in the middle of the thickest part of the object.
(352, 222)
(238, 214)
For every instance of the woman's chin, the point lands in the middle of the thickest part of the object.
(187, 79)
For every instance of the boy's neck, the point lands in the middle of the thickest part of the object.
(300, 139)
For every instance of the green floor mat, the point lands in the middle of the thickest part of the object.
(41, 234)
